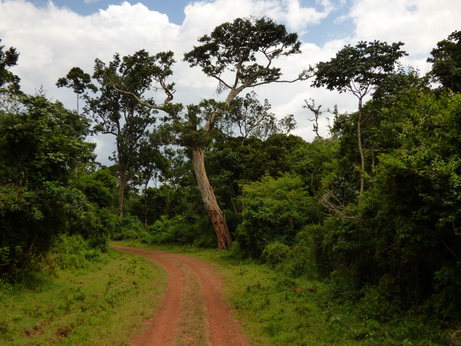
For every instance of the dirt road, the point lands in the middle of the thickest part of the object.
(193, 311)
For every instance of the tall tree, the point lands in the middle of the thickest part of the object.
(115, 110)
(239, 55)
(79, 81)
(358, 70)
(446, 59)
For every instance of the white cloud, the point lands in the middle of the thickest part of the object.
(298, 17)
(52, 40)
(420, 24)
(202, 16)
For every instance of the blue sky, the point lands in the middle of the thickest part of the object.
(173, 8)
(331, 26)
(52, 37)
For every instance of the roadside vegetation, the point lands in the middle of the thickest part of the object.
(354, 237)
(80, 296)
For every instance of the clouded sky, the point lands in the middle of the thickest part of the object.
(54, 36)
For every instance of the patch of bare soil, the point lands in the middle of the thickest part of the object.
(193, 311)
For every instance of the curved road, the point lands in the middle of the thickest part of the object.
(193, 311)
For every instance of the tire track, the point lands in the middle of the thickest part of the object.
(191, 283)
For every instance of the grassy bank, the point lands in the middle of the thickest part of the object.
(103, 303)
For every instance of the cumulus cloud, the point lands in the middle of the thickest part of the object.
(420, 24)
(290, 12)
(51, 40)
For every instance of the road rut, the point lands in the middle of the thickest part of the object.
(193, 311)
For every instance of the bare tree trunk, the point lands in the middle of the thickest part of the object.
(209, 199)
(360, 147)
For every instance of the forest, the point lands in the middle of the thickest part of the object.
(373, 210)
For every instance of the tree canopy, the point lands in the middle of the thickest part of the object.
(8, 58)
(446, 59)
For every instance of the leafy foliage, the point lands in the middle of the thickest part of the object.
(8, 59)
(446, 59)
(41, 147)
(236, 46)
(274, 209)
(360, 68)
(120, 106)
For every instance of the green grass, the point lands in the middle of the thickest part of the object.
(103, 304)
(107, 302)
(275, 309)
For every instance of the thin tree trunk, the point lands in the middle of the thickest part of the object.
(121, 190)
(145, 205)
(209, 199)
(360, 147)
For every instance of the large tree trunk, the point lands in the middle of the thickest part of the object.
(209, 199)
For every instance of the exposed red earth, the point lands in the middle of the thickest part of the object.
(193, 311)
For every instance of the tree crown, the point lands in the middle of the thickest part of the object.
(246, 48)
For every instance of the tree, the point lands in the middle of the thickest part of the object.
(78, 80)
(358, 70)
(115, 107)
(247, 117)
(8, 58)
(42, 148)
(317, 114)
(43, 142)
(446, 60)
(243, 51)
(411, 216)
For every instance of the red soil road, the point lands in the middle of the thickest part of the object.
(222, 328)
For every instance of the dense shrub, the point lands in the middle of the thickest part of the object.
(301, 260)
(130, 227)
(181, 230)
(74, 252)
(275, 253)
(275, 209)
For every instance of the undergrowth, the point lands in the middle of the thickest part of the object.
(277, 309)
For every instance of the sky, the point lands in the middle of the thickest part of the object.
(54, 36)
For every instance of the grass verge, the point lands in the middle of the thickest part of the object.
(193, 319)
(103, 304)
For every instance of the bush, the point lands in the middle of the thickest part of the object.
(130, 227)
(301, 259)
(275, 210)
(181, 230)
(74, 252)
(275, 253)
